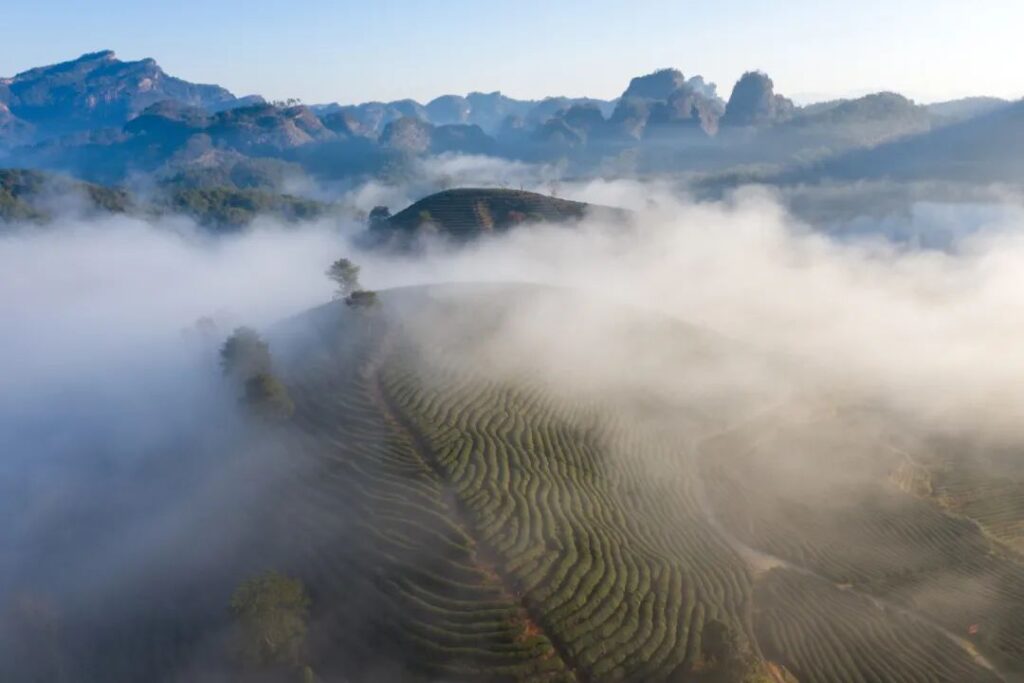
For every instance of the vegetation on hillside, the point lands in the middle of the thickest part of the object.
(34, 196)
(272, 613)
(27, 195)
(246, 361)
(345, 275)
(227, 209)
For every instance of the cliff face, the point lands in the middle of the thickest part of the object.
(754, 103)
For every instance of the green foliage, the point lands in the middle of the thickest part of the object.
(245, 358)
(245, 354)
(24, 195)
(362, 298)
(272, 611)
(13, 208)
(108, 199)
(267, 397)
(224, 198)
(238, 174)
(228, 208)
(345, 275)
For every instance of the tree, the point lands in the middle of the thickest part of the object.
(362, 298)
(379, 217)
(272, 611)
(345, 275)
(267, 397)
(244, 354)
(245, 359)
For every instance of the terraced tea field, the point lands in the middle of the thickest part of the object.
(983, 483)
(458, 521)
(844, 523)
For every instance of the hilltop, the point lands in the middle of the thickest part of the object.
(99, 90)
(467, 212)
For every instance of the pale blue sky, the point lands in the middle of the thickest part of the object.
(337, 50)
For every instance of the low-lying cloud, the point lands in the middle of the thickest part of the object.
(102, 362)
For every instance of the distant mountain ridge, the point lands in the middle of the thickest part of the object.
(105, 120)
(98, 90)
(985, 148)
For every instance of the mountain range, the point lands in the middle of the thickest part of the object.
(105, 120)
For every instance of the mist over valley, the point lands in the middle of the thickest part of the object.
(691, 384)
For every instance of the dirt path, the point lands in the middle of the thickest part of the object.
(488, 559)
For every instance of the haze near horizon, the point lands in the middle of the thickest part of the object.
(352, 52)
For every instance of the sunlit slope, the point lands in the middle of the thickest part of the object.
(463, 516)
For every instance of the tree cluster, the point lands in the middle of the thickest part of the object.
(245, 359)
(345, 275)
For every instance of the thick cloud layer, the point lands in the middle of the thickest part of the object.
(932, 330)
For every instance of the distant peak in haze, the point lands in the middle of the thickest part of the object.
(89, 59)
(754, 103)
(98, 90)
(657, 85)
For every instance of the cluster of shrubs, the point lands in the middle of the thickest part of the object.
(245, 359)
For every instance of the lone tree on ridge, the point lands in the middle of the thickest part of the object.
(345, 275)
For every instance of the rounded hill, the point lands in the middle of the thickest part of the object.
(466, 212)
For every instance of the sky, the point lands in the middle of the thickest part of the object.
(343, 51)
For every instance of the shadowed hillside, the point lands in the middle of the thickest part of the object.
(470, 211)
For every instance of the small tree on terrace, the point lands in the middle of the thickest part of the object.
(345, 275)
